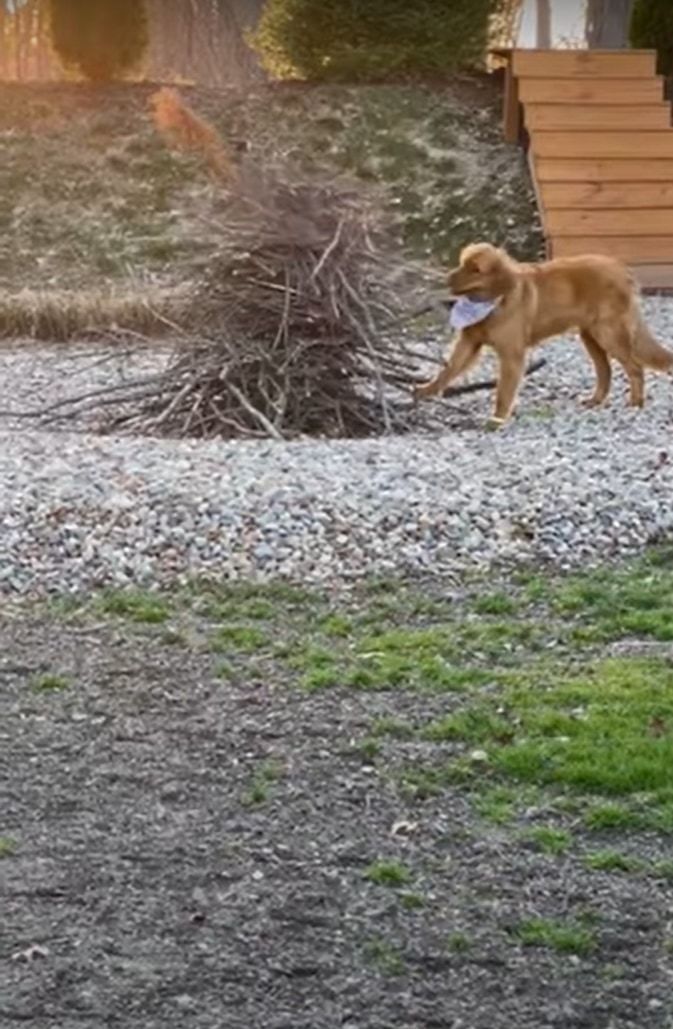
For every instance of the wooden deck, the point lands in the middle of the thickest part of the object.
(600, 147)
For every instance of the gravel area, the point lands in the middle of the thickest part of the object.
(559, 484)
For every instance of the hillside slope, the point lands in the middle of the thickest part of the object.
(90, 195)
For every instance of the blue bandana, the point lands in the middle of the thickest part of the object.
(466, 312)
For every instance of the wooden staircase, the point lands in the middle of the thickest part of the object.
(600, 152)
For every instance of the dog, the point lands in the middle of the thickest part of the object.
(529, 303)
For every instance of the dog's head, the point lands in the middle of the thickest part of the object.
(484, 273)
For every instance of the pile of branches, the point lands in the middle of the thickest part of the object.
(294, 329)
(291, 331)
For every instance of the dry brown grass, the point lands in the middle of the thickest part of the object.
(61, 315)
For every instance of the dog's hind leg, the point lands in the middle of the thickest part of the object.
(601, 364)
(465, 353)
(618, 343)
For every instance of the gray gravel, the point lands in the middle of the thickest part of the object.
(559, 484)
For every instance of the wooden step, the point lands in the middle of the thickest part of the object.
(566, 169)
(593, 195)
(597, 116)
(589, 91)
(654, 276)
(643, 145)
(654, 222)
(632, 249)
(553, 64)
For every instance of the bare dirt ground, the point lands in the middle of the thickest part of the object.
(197, 844)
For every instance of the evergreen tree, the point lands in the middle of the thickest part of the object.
(652, 28)
(100, 38)
(372, 39)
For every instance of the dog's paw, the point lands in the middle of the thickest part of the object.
(423, 390)
(493, 423)
(590, 402)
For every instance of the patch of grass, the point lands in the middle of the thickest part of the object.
(384, 956)
(596, 733)
(50, 683)
(397, 728)
(337, 626)
(141, 607)
(495, 805)
(411, 901)
(259, 790)
(635, 601)
(549, 840)
(8, 846)
(458, 943)
(663, 869)
(246, 639)
(612, 861)
(494, 604)
(388, 873)
(225, 670)
(611, 815)
(565, 937)
(370, 748)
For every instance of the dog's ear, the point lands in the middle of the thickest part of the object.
(501, 276)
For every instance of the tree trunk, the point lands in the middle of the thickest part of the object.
(543, 13)
(607, 24)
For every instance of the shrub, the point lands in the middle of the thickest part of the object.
(100, 38)
(372, 39)
(652, 28)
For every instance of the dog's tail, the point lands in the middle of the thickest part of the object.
(649, 352)
(188, 131)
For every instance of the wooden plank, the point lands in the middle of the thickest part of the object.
(632, 64)
(602, 170)
(654, 276)
(606, 194)
(511, 106)
(563, 222)
(598, 116)
(644, 145)
(633, 249)
(591, 91)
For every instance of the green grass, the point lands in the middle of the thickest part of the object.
(495, 604)
(259, 790)
(384, 956)
(143, 608)
(50, 683)
(565, 937)
(8, 846)
(662, 869)
(549, 840)
(458, 943)
(246, 639)
(412, 901)
(388, 873)
(612, 861)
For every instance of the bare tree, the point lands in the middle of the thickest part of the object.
(607, 24)
(543, 30)
(24, 42)
(202, 41)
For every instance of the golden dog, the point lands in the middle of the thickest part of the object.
(595, 295)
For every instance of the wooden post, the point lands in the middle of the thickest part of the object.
(511, 112)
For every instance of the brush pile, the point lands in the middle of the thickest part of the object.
(292, 330)
(290, 333)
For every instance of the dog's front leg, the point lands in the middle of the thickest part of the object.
(464, 354)
(512, 368)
